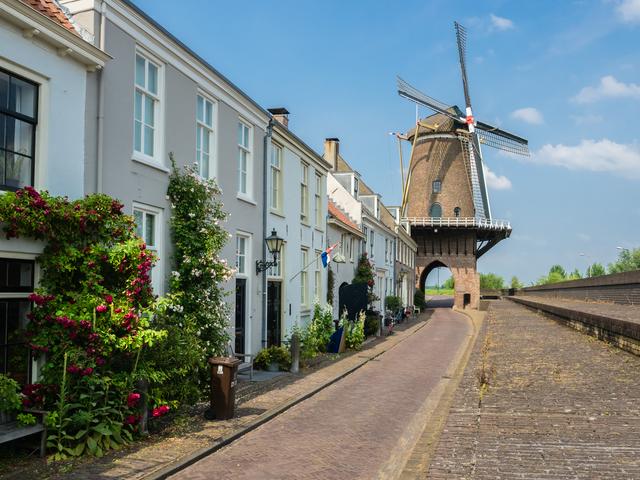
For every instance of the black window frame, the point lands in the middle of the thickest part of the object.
(457, 211)
(24, 118)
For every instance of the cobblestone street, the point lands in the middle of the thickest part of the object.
(559, 404)
(357, 427)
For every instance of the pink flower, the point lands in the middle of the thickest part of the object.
(87, 371)
(101, 308)
(132, 399)
(108, 299)
(130, 420)
(100, 361)
(160, 411)
(74, 369)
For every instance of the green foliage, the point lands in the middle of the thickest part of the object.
(354, 332)
(418, 299)
(393, 303)
(575, 275)
(596, 270)
(491, 281)
(365, 274)
(194, 312)
(515, 283)
(371, 324)
(314, 338)
(449, 284)
(92, 313)
(26, 419)
(628, 260)
(273, 354)
(330, 285)
(9, 397)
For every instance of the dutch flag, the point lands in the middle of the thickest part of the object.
(326, 255)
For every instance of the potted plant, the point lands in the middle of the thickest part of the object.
(10, 401)
(273, 359)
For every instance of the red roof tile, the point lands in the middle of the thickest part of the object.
(338, 214)
(52, 10)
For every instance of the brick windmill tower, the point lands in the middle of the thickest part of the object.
(445, 199)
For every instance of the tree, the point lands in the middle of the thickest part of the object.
(628, 260)
(596, 270)
(559, 270)
(364, 274)
(491, 281)
(575, 275)
(449, 284)
(515, 283)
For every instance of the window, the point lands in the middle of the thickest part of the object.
(16, 282)
(146, 109)
(386, 250)
(456, 211)
(304, 192)
(276, 177)
(437, 186)
(304, 284)
(317, 287)
(435, 211)
(351, 249)
(241, 254)
(244, 158)
(18, 120)
(356, 186)
(147, 227)
(204, 136)
(318, 202)
(365, 231)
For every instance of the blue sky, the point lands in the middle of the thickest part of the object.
(564, 74)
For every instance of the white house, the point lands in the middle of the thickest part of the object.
(44, 61)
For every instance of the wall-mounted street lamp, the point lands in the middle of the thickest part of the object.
(274, 245)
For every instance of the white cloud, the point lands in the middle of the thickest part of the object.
(500, 23)
(592, 155)
(496, 182)
(529, 115)
(629, 11)
(608, 87)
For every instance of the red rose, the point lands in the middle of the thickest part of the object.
(108, 299)
(132, 399)
(101, 308)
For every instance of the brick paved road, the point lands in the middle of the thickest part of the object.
(347, 431)
(560, 405)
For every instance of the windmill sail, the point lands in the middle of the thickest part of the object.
(411, 93)
(502, 140)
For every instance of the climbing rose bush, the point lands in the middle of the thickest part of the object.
(91, 316)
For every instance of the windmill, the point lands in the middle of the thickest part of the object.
(470, 133)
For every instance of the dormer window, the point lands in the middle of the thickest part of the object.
(437, 186)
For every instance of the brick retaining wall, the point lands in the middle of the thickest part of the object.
(623, 288)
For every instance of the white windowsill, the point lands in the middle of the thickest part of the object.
(149, 162)
(245, 198)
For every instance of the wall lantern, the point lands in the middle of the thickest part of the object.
(274, 245)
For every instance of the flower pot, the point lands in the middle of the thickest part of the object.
(6, 417)
(273, 367)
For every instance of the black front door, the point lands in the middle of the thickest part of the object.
(274, 313)
(241, 300)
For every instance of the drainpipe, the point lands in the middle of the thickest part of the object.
(265, 214)
(100, 126)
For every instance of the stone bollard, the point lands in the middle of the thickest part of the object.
(143, 387)
(295, 353)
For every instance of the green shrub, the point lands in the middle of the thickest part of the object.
(273, 354)
(354, 332)
(26, 419)
(371, 324)
(418, 299)
(9, 397)
(393, 303)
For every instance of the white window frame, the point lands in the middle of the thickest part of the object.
(317, 286)
(211, 131)
(155, 160)
(275, 191)
(248, 172)
(304, 193)
(247, 254)
(304, 278)
(318, 202)
(157, 273)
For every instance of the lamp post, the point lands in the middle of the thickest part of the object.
(274, 245)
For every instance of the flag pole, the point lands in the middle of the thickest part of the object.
(311, 262)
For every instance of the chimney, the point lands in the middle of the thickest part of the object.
(280, 115)
(331, 152)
